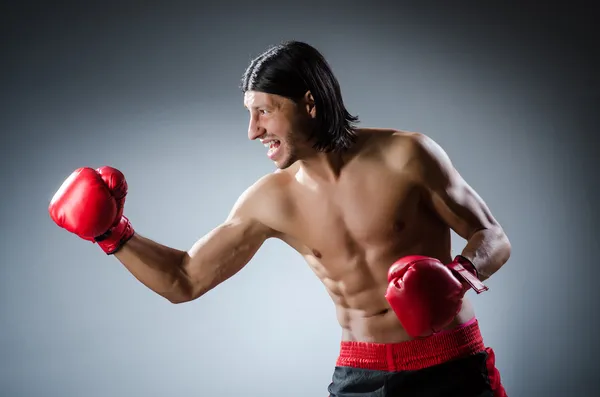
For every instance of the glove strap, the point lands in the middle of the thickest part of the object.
(114, 238)
(467, 271)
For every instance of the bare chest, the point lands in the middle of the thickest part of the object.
(368, 212)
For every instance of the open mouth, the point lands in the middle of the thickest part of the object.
(273, 148)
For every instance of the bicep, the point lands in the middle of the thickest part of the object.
(226, 249)
(223, 252)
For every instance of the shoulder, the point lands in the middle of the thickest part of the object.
(423, 150)
(416, 144)
(265, 201)
(414, 154)
(403, 146)
(267, 190)
(392, 140)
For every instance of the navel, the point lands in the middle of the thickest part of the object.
(316, 253)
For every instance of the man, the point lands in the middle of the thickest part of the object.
(371, 211)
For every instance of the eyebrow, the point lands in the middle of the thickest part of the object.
(259, 106)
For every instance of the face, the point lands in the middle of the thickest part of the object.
(281, 124)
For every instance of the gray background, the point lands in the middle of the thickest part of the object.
(153, 91)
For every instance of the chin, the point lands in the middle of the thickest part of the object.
(284, 163)
(286, 159)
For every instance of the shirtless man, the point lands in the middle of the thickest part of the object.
(371, 211)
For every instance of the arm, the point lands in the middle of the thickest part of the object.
(462, 209)
(182, 276)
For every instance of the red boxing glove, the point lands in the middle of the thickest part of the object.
(426, 295)
(90, 204)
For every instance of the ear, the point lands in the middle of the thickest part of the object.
(309, 102)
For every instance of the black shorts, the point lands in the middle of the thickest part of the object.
(450, 364)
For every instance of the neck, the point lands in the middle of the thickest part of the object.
(324, 166)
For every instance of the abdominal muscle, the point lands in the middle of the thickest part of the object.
(383, 326)
(364, 313)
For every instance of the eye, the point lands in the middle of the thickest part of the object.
(263, 111)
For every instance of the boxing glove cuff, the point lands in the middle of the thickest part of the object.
(466, 271)
(467, 264)
(114, 238)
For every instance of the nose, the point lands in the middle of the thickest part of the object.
(254, 129)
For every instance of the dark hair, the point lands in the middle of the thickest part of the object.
(292, 68)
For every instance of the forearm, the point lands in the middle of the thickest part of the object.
(156, 266)
(488, 250)
(182, 276)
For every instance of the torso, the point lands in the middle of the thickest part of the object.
(352, 231)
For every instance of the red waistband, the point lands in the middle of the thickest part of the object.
(414, 354)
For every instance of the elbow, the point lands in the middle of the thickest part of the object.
(180, 291)
(177, 299)
(184, 298)
(505, 246)
(508, 247)
(185, 292)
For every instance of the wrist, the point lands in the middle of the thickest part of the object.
(467, 273)
(111, 241)
(467, 264)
